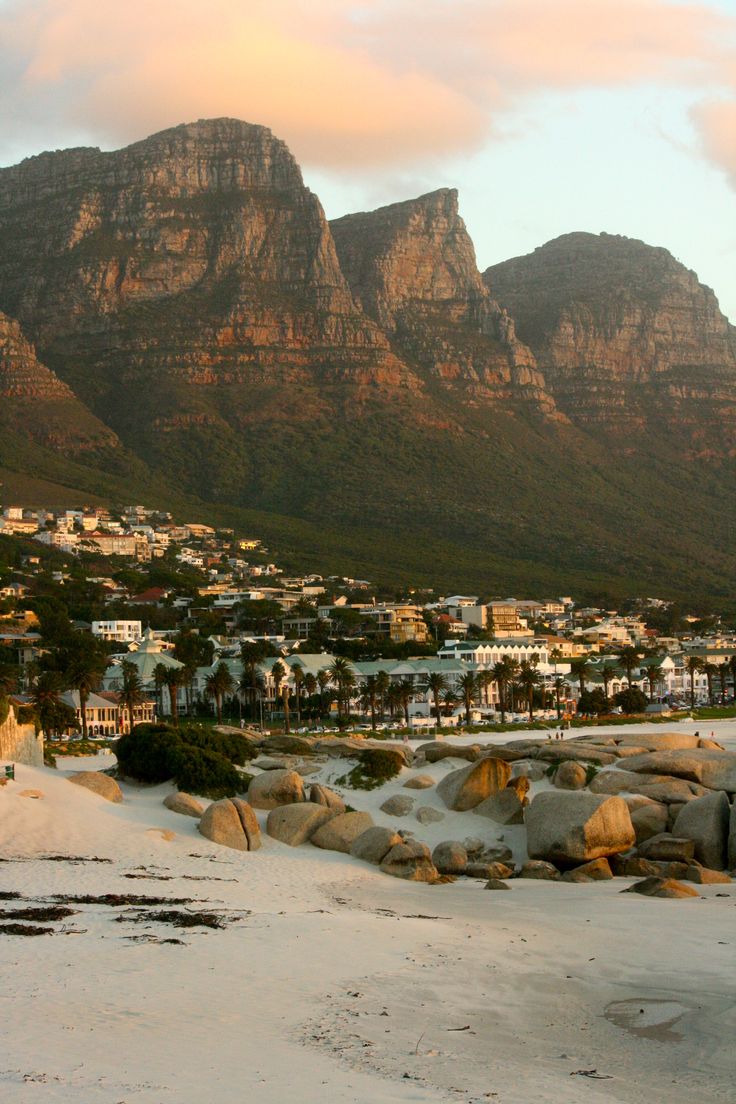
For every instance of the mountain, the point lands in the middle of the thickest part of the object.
(357, 391)
(627, 338)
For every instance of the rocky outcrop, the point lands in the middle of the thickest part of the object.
(626, 337)
(465, 788)
(35, 403)
(19, 743)
(411, 267)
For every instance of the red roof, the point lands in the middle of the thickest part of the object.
(150, 596)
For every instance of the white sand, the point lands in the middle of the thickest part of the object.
(289, 1000)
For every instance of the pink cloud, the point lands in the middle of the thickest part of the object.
(389, 83)
(716, 123)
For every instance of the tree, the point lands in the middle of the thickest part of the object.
(593, 702)
(47, 703)
(693, 664)
(405, 693)
(504, 672)
(631, 700)
(629, 658)
(654, 677)
(217, 684)
(435, 684)
(607, 674)
(449, 701)
(297, 673)
(560, 686)
(382, 684)
(528, 680)
(369, 696)
(580, 668)
(343, 678)
(710, 669)
(131, 690)
(323, 681)
(468, 687)
(82, 662)
(174, 679)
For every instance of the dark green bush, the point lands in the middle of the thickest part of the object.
(374, 767)
(201, 771)
(199, 761)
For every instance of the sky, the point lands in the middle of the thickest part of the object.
(547, 115)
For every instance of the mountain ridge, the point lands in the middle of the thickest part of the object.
(360, 379)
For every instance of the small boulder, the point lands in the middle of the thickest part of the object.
(705, 821)
(667, 848)
(374, 844)
(450, 857)
(398, 805)
(701, 875)
(224, 822)
(540, 870)
(570, 776)
(419, 782)
(425, 814)
(275, 787)
(185, 804)
(504, 807)
(661, 887)
(339, 833)
(496, 883)
(499, 870)
(465, 788)
(323, 795)
(649, 820)
(495, 852)
(631, 866)
(410, 860)
(598, 870)
(576, 827)
(530, 769)
(101, 784)
(295, 824)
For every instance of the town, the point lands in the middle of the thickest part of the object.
(111, 618)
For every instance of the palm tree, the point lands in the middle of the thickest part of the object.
(310, 689)
(251, 679)
(607, 674)
(560, 684)
(323, 681)
(710, 669)
(370, 693)
(174, 679)
(468, 687)
(83, 662)
(529, 679)
(629, 659)
(278, 672)
(297, 674)
(393, 698)
(405, 694)
(341, 675)
(46, 698)
(382, 685)
(580, 668)
(449, 701)
(160, 674)
(285, 695)
(435, 683)
(693, 665)
(131, 690)
(504, 672)
(722, 680)
(217, 684)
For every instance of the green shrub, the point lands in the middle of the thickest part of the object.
(201, 771)
(374, 767)
(199, 761)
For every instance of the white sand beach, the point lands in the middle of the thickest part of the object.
(333, 982)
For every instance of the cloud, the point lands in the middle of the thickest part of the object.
(385, 84)
(716, 124)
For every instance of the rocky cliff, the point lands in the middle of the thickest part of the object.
(356, 391)
(627, 338)
(411, 267)
(36, 403)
